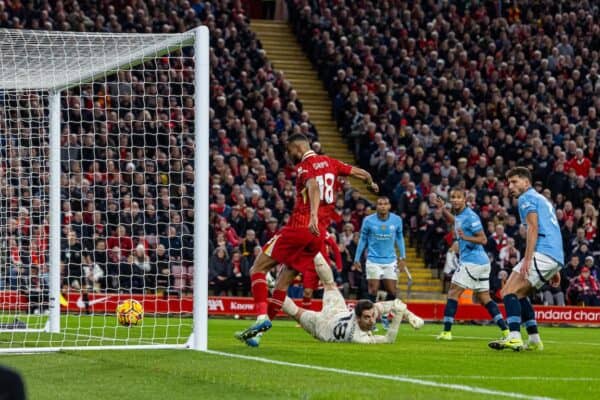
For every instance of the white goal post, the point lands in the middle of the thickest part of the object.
(136, 231)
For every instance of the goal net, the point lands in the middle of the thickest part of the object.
(102, 179)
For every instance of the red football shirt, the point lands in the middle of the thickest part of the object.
(325, 170)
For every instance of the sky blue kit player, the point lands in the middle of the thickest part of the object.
(380, 233)
(541, 263)
(474, 267)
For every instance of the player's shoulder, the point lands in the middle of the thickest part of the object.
(528, 199)
(371, 218)
(469, 213)
(318, 162)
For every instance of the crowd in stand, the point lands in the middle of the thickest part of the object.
(433, 95)
(127, 178)
(429, 95)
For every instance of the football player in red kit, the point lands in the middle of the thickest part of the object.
(298, 243)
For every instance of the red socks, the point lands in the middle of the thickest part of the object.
(307, 302)
(275, 303)
(260, 292)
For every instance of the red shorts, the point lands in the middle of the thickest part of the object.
(310, 278)
(294, 247)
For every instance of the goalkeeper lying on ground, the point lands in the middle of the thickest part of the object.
(334, 323)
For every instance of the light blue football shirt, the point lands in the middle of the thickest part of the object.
(380, 237)
(470, 224)
(549, 240)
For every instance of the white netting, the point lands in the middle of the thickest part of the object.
(47, 59)
(127, 182)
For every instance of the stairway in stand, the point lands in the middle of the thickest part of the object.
(285, 53)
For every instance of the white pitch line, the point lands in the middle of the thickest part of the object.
(405, 379)
(509, 378)
(545, 341)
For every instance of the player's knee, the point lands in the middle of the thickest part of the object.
(308, 292)
(506, 290)
(454, 293)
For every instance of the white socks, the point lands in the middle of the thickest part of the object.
(514, 335)
(534, 337)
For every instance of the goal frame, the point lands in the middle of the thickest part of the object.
(198, 340)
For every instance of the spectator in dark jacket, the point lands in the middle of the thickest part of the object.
(220, 272)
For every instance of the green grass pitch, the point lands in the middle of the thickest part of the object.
(416, 367)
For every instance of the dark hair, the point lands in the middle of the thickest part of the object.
(297, 137)
(362, 305)
(458, 189)
(521, 172)
(383, 198)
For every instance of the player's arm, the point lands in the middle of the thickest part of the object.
(389, 338)
(362, 242)
(401, 248)
(532, 236)
(441, 205)
(314, 198)
(364, 176)
(478, 238)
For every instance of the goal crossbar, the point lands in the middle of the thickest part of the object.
(48, 65)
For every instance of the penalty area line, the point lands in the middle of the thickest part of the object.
(396, 378)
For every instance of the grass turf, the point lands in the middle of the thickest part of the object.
(567, 368)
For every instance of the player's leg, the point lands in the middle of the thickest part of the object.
(450, 310)
(517, 286)
(307, 296)
(260, 293)
(306, 318)
(528, 318)
(310, 320)
(374, 275)
(481, 288)
(390, 285)
(485, 299)
(544, 270)
(284, 279)
(324, 273)
(309, 265)
(258, 279)
(284, 248)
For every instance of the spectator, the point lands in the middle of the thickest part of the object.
(507, 252)
(144, 277)
(122, 240)
(220, 272)
(437, 228)
(552, 295)
(572, 270)
(162, 267)
(72, 259)
(584, 289)
(409, 207)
